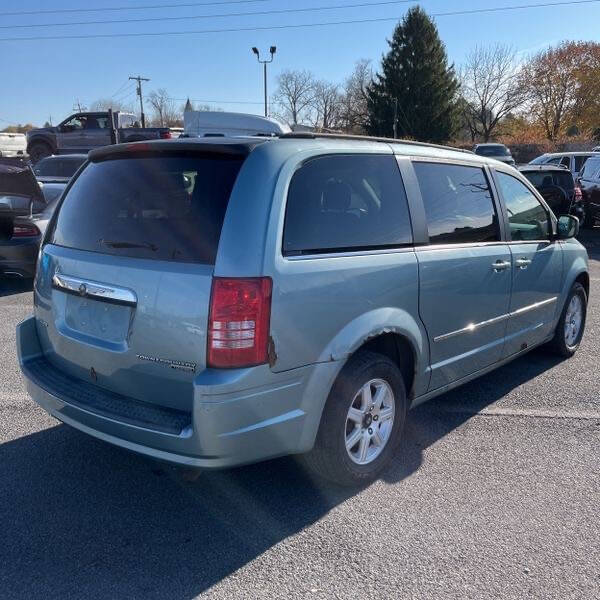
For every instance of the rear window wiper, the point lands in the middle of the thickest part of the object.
(126, 244)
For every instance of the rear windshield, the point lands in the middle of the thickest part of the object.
(542, 179)
(162, 208)
(492, 151)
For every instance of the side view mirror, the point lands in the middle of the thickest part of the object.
(568, 227)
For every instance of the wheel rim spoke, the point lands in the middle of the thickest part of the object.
(378, 439)
(363, 447)
(380, 396)
(356, 415)
(367, 400)
(353, 438)
(386, 414)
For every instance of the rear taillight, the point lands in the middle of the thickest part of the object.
(25, 230)
(578, 194)
(165, 135)
(238, 322)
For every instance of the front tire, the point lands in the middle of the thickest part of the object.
(39, 150)
(362, 421)
(571, 324)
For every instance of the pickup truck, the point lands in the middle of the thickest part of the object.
(84, 131)
(12, 144)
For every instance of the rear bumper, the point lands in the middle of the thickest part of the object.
(238, 416)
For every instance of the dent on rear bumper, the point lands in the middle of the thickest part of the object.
(239, 416)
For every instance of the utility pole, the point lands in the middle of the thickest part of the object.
(395, 118)
(264, 63)
(77, 105)
(139, 93)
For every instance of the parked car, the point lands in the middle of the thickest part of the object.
(589, 180)
(573, 161)
(204, 123)
(20, 199)
(12, 144)
(220, 302)
(557, 187)
(58, 169)
(81, 132)
(498, 151)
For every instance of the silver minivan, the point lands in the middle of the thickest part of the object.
(220, 302)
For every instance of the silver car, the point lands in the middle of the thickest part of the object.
(220, 302)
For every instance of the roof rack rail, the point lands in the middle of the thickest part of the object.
(309, 135)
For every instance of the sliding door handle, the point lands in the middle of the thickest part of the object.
(522, 263)
(501, 265)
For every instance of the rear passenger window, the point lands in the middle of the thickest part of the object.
(528, 219)
(458, 204)
(346, 202)
(565, 161)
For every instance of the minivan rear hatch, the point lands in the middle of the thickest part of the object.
(123, 288)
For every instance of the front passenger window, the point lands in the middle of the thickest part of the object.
(528, 219)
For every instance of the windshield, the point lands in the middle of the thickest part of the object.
(492, 151)
(163, 208)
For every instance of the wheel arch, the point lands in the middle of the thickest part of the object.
(388, 331)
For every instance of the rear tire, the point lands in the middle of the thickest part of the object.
(39, 150)
(571, 324)
(366, 411)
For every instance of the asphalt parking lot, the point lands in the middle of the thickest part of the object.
(495, 494)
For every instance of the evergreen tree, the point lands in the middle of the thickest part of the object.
(415, 83)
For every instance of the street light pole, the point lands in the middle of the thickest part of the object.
(264, 63)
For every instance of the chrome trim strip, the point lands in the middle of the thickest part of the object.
(94, 290)
(471, 327)
(529, 307)
(474, 326)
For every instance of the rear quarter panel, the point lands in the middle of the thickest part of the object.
(325, 307)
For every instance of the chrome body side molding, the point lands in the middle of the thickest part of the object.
(475, 326)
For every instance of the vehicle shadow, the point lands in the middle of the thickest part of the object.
(9, 286)
(82, 518)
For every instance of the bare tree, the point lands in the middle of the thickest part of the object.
(103, 104)
(326, 104)
(491, 88)
(294, 96)
(354, 113)
(562, 85)
(165, 113)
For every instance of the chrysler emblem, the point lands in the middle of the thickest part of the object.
(82, 289)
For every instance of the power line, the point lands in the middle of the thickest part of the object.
(122, 88)
(126, 93)
(213, 16)
(295, 25)
(118, 8)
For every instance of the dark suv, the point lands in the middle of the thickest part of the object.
(557, 187)
(589, 180)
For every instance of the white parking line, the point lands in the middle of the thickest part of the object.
(523, 413)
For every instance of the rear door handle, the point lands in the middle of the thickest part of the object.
(522, 263)
(500, 265)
